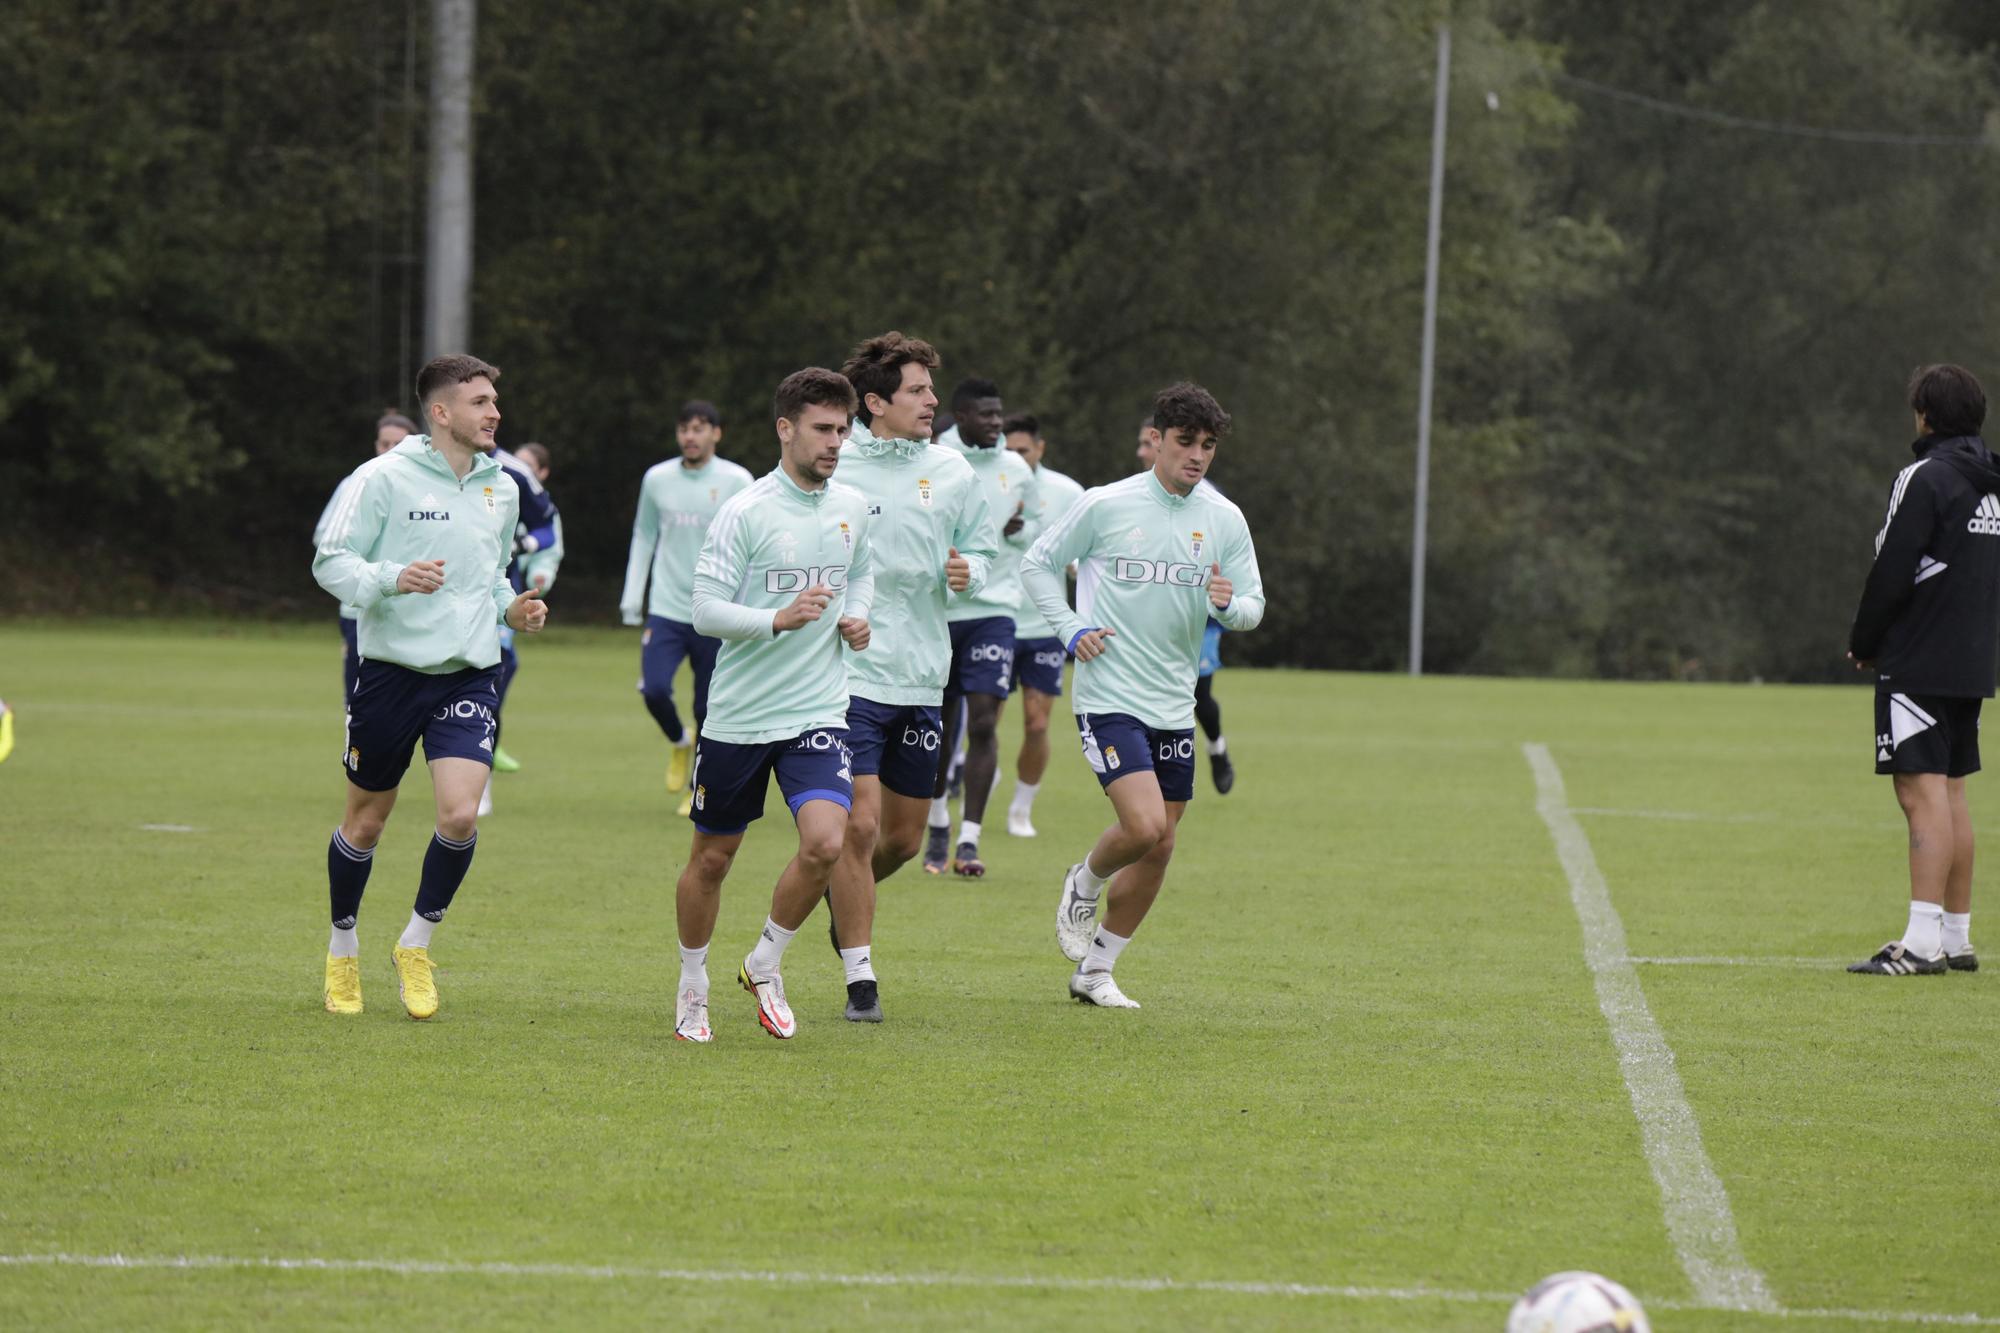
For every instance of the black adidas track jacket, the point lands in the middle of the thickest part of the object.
(1930, 611)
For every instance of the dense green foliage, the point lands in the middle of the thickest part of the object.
(1672, 350)
(1370, 1053)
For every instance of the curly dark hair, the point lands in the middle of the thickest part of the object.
(876, 367)
(814, 386)
(1188, 406)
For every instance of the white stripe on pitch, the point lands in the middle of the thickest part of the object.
(1699, 1221)
(967, 1281)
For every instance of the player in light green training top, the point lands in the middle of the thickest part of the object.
(677, 501)
(1156, 555)
(931, 534)
(783, 580)
(1038, 654)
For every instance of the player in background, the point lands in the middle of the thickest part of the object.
(1038, 654)
(1207, 712)
(421, 544)
(539, 530)
(931, 535)
(1927, 626)
(537, 570)
(390, 429)
(783, 580)
(982, 624)
(1155, 557)
(678, 499)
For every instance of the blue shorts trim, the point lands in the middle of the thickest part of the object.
(730, 780)
(982, 656)
(392, 707)
(1038, 665)
(897, 743)
(1117, 745)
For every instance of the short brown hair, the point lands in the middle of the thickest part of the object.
(876, 367)
(1188, 406)
(441, 372)
(391, 417)
(812, 387)
(1950, 399)
(534, 455)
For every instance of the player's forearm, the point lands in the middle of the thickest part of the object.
(537, 539)
(719, 618)
(356, 582)
(860, 599)
(1046, 590)
(1245, 609)
(503, 594)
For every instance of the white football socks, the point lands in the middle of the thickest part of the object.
(1024, 796)
(1104, 950)
(1957, 937)
(1089, 884)
(940, 813)
(1220, 745)
(344, 944)
(857, 964)
(969, 832)
(1925, 936)
(417, 935)
(770, 950)
(694, 969)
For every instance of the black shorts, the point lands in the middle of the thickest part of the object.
(730, 780)
(897, 743)
(393, 707)
(1926, 733)
(1117, 745)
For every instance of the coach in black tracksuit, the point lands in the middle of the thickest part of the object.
(1929, 625)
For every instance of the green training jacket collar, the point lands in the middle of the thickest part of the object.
(870, 445)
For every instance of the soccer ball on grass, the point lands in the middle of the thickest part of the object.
(1577, 1303)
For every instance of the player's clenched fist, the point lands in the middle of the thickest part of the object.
(1088, 643)
(855, 631)
(528, 612)
(957, 570)
(424, 576)
(805, 608)
(1220, 589)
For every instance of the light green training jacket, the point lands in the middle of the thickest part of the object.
(407, 505)
(923, 500)
(1010, 485)
(319, 533)
(1055, 494)
(1143, 558)
(769, 543)
(676, 505)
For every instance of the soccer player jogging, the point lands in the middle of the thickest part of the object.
(931, 534)
(678, 499)
(1155, 557)
(1038, 654)
(1207, 712)
(390, 429)
(982, 623)
(783, 580)
(1927, 626)
(421, 544)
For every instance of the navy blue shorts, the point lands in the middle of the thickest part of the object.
(1038, 664)
(663, 645)
(729, 781)
(350, 655)
(1211, 650)
(392, 707)
(897, 743)
(982, 657)
(1926, 733)
(1117, 744)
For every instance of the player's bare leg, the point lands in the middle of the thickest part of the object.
(1032, 762)
(982, 758)
(1125, 868)
(1958, 954)
(850, 898)
(1926, 802)
(697, 899)
(800, 886)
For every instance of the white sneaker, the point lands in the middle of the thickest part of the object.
(772, 1011)
(691, 1016)
(1018, 824)
(486, 798)
(1076, 919)
(1099, 989)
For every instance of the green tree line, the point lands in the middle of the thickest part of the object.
(1691, 251)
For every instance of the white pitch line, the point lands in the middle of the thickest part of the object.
(969, 1281)
(1699, 1221)
(167, 828)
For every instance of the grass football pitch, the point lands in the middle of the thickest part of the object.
(1371, 1087)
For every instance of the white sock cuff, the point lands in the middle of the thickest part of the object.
(940, 813)
(1089, 881)
(453, 844)
(778, 932)
(969, 832)
(1220, 745)
(1932, 910)
(349, 850)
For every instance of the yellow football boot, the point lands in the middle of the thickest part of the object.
(415, 981)
(6, 732)
(687, 806)
(343, 985)
(679, 759)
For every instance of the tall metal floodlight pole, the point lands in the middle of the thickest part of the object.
(1421, 535)
(448, 258)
